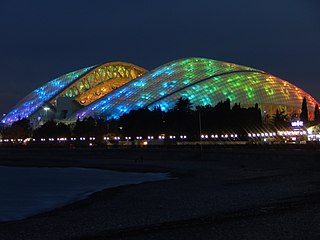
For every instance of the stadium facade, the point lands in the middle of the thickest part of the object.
(112, 89)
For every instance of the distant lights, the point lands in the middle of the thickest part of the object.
(222, 136)
(297, 124)
(292, 133)
(61, 139)
(262, 134)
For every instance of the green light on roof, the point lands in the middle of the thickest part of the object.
(192, 96)
(231, 97)
(146, 96)
(205, 101)
(249, 91)
(269, 90)
(186, 82)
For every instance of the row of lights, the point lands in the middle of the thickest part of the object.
(49, 139)
(64, 139)
(89, 138)
(314, 137)
(161, 137)
(172, 137)
(205, 136)
(140, 137)
(11, 140)
(253, 135)
(225, 136)
(292, 133)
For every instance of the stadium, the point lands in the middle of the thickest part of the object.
(114, 88)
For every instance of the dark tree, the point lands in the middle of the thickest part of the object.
(316, 113)
(18, 129)
(85, 128)
(142, 122)
(280, 119)
(221, 118)
(101, 128)
(304, 111)
(52, 129)
(181, 119)
(183, 105)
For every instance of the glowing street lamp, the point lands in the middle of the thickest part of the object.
(46, 109)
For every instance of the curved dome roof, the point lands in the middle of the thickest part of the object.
(203, 81)
(85, 86)
(37, 98)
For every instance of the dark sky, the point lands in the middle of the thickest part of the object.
(41, 40)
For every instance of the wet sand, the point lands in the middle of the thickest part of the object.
(223, 193)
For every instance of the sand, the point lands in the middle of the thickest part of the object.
(258, 192)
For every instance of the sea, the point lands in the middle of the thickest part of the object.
(27, 191)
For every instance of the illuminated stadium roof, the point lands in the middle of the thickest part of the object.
(203, 81)
(84, 86)
(112, 89)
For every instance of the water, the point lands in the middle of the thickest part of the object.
(26, 191)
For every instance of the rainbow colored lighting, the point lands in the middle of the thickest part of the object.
(39, 97)
(203, 81)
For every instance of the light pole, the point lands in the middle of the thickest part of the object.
(46, 109)
(200, 130)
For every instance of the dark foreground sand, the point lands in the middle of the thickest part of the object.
(223, 193)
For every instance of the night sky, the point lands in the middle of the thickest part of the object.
(41, 40)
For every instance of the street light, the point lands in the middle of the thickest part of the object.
(200, 130)
(46, 109)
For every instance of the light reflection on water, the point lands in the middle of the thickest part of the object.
(25, 191)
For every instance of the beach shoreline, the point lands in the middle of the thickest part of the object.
(217, 187)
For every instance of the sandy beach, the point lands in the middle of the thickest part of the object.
(221, 193)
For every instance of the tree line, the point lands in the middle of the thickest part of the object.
(182, 119)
